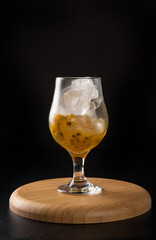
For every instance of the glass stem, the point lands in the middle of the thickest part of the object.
(79, 178)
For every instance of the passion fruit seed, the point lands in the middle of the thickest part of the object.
(78, 134)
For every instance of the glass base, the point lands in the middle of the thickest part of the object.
(84, 187)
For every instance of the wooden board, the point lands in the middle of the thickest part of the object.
(119, 200)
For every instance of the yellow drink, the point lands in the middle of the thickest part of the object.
(76, 133)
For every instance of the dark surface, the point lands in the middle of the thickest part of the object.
(114, 40)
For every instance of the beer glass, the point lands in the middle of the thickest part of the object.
(78, 121)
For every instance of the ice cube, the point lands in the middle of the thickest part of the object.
(76, 102)
(91, 111)
(98, 125)
(81, 83)
(97, 102)
(94, 104)
(77, 97)
(92, 92)
(80, 123)
(86, 84)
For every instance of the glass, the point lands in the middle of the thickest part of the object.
(78, 121)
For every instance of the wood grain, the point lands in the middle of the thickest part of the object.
(119, 200)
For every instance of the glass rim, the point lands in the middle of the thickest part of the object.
(87, 77)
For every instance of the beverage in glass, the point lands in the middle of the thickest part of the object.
(78, 121)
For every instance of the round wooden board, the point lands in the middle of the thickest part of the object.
(119, 200)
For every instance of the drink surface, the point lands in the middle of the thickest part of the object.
(77, 133)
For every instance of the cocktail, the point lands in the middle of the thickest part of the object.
(78, 121)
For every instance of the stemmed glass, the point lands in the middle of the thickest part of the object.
(78, 121)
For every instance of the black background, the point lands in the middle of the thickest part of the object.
(114, 40)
